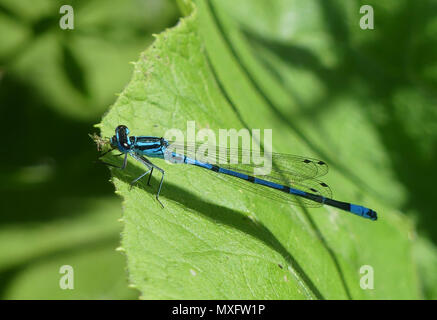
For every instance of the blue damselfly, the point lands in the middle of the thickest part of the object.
(291, 179)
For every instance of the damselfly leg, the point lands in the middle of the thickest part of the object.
(113, 165)
(151, 166)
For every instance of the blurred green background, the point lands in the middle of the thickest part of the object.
(57, 205)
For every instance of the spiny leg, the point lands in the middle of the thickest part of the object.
(150, 176)
(160, 184)
(104, 153)
(113, 165)
(149, 164)
(151, 172)
(142, 160)
(145, 173)
(136, 180)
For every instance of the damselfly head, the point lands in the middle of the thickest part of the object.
(121, 140)
(122, 129)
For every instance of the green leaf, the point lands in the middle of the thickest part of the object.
(425, 253)
(273, 66)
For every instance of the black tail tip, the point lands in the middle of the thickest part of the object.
(372, 215)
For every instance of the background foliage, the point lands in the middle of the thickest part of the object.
(57, 204)
(364, 101)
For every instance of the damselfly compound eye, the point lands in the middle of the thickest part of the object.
(122, 129)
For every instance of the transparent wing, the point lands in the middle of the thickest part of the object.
(311, 186)
(295, 168)
(289, 170)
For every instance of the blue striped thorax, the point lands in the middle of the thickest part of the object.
(141, 145)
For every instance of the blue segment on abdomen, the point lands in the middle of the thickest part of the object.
(249, 178)
(245, 177)
(234, 173)
(355, 209)
(296, 191)
(268, 184)
(202, 164)
(359, 210)
(198, 163)
(362, 211)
